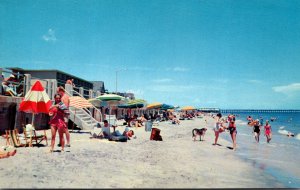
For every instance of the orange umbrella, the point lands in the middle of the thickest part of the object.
(154, 105)
(186, 108)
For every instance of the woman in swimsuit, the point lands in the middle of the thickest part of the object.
(219, 127)
(256, 130)
(268, 131)
(233, 132)
(57, 122)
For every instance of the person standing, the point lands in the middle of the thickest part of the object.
(65, 99)
(57, 122)
(219, 128)
(233, 132)
(268, 131)
(71, 82)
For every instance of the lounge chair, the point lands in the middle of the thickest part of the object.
(31, 135)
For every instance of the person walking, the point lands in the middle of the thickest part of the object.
(268, 131)
(256, 130)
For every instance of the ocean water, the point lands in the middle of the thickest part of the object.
(280, 157)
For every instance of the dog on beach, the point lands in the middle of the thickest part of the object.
(198, 132)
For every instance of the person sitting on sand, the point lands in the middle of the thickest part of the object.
(128, 133)
(106, 129)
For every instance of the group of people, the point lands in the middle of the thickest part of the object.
(257, 125)
(221, 127)
(10, 86)
(59, 113)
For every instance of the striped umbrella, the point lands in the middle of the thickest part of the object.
(36, 100)
(79, 102)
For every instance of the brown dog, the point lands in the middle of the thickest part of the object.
(198, 132)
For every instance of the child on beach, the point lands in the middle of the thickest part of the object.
(268, 131)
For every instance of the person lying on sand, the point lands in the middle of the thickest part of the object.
(7, 151)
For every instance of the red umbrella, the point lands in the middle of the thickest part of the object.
(36, 100)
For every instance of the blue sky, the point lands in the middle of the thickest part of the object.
(208, 53)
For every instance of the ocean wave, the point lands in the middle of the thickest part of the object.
(297, 136)
(241, 122)
(283, 131)
(282, 127)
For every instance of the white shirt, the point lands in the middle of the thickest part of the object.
(106, 129)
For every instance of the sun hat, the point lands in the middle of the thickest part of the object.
(12, 76)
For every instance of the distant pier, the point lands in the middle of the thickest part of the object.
(259, 110)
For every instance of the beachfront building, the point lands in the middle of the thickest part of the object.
(99, 86)
(60, 77)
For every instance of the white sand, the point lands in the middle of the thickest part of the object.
(175, 162)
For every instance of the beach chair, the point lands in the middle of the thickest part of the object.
(13, 138)
(31, 135)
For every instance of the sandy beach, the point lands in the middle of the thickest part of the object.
(175, 162)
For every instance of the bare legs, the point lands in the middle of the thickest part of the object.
(216, 136)
(53, 134)
(256, 136)
(269, 137)
(67, 136)
(233, 137)
(61, 131)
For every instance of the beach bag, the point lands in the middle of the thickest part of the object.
(155, 135)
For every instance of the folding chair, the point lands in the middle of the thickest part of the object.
(30, 135)
(13, 138)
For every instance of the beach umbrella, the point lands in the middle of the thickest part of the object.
(137, 103)
(155, 105)
(36, 100)
(78, 103)
(187, 108)
(110, 97)
(111, 100)
(166, 107)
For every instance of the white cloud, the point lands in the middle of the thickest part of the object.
(178, 69)
(288, 89)
(50, 36)
(165, 80)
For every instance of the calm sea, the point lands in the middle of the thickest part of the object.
(280, 157)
